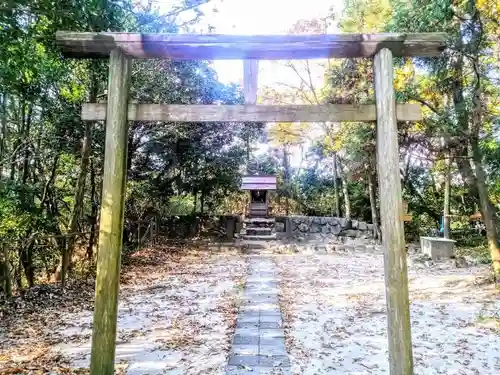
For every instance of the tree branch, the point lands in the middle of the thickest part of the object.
(425, 103)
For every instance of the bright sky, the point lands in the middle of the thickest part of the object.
(254, 17)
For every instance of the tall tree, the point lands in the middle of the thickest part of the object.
(46, 151)
(465, 72)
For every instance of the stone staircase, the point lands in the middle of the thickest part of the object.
(258, 233)
(257, 210)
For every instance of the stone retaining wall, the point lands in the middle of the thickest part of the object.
(187, 226)
(310, 226)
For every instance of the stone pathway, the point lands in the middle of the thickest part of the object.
(259, 343)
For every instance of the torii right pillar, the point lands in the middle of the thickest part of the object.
(391, 216)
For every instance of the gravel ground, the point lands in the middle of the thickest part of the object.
(335, 320)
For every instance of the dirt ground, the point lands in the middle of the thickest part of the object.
(336, 322)
(178, 307)
(176, 316)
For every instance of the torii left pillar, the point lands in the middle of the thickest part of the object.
(111, 220)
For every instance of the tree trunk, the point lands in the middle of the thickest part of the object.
(77, 209)
(482, 189)
(17, 143)
(202, 201)
(77, 202)
(5, 277)
(3, 140)
(336, 187)
(466, 172)
(19, 274)
(477, 157)
(373, 204)
(486, 210)
(345, 192)
(131, 145)
(347, 202)
(195, 193)
(26, 252)
(286, 176)
(27, 262)
(25, 136)
(93, 214)
(462, 116)
(447, 192)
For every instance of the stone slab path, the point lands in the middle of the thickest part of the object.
(259, 340)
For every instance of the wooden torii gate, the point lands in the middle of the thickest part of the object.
(120, 48)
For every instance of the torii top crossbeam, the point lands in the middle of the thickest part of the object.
(239, 47)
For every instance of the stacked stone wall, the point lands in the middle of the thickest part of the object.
(317, 226)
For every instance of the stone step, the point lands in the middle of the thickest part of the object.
(259, 225)
(257, 231)
(258, 204)
(257, 208)
(260, 220)
(257, 237)
(257, 214)
(257, 245)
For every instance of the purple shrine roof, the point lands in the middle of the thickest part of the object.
(258, 183)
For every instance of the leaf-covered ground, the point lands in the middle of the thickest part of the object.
(336, 321)
(176, 316)
(178, 306)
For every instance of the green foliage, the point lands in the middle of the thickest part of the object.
(177, 169)
(173, 169)
(365, 16)
(17, 209)
(443, 86)
(179, 205)
(480, 254)
(315, 192)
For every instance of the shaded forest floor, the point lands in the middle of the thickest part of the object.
(335, 315)
(177, 311)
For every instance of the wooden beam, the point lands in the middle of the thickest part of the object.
(251, 113)
(111, 221)
(250, 86)
(250, 80)
(240, 47)
(391, 215)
